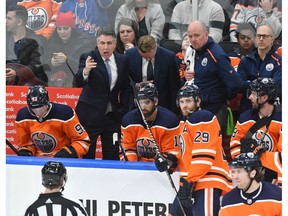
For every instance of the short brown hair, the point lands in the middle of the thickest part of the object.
(146, 43)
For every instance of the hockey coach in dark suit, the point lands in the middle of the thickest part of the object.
(103, 75)
(149, 62)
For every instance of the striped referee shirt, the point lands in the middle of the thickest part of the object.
(55, 204)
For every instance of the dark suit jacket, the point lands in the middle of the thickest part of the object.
(166, 75)
(94, 98)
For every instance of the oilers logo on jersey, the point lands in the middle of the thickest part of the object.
(182, 144)
(45, 142)
(37, 18)
(267, 141)
(146, 148)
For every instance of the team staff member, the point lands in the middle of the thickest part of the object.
(262, 62)
(136, 139)
(49, 129)
(103, 75)
(149, 62)
(251, 196)
(52, 201)
(204, 174)
(214, 75)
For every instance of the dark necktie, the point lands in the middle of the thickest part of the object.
(108, 69)
(150, 75)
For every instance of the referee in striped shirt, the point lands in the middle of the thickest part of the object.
(52, 202)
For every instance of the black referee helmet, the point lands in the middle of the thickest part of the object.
(54, 174)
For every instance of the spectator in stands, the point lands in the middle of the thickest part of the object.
(42, 15)
(227, 5)
(262, 62)
(63, 51)
(246, 38)
(245, 35)
(103, 75)
(167, 7)
(257, 13)
(214, 75)
(146, 13)
(48, 129)
(127, 36)
(23, 64)
(91, 15)
(148, 62)
(210, 12)
(51, 201)
(180, 58)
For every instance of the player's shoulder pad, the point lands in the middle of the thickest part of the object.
(166, 118)
(277, 114)
(271, 191)
(232, 197)
(24, 113)
(61, 112)
(132, 117)
(248, 116)
(200, 116)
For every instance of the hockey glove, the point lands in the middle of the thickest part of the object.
(185, 193)
(251, 145)
(165, 162)
(161, 163)
(172, 162)
(24, 152)
(67, 152)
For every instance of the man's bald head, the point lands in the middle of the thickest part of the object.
(198, 34)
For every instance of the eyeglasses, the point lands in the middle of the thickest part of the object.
(264, 36)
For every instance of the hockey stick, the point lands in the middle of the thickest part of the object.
(12, 147)
(156, 145)
(265, 121)
(116, 140)
(263, 135)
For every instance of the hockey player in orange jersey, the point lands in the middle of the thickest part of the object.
(204, 173)
(270, 160)
(49, 129)
(262, 94)
(137, 141)
(251, 196)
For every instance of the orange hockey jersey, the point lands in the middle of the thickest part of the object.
(202, 158)
(137, 141)
(267, 202)
(248, 119)
(60, 127)
(41, 15)
(273, 161)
